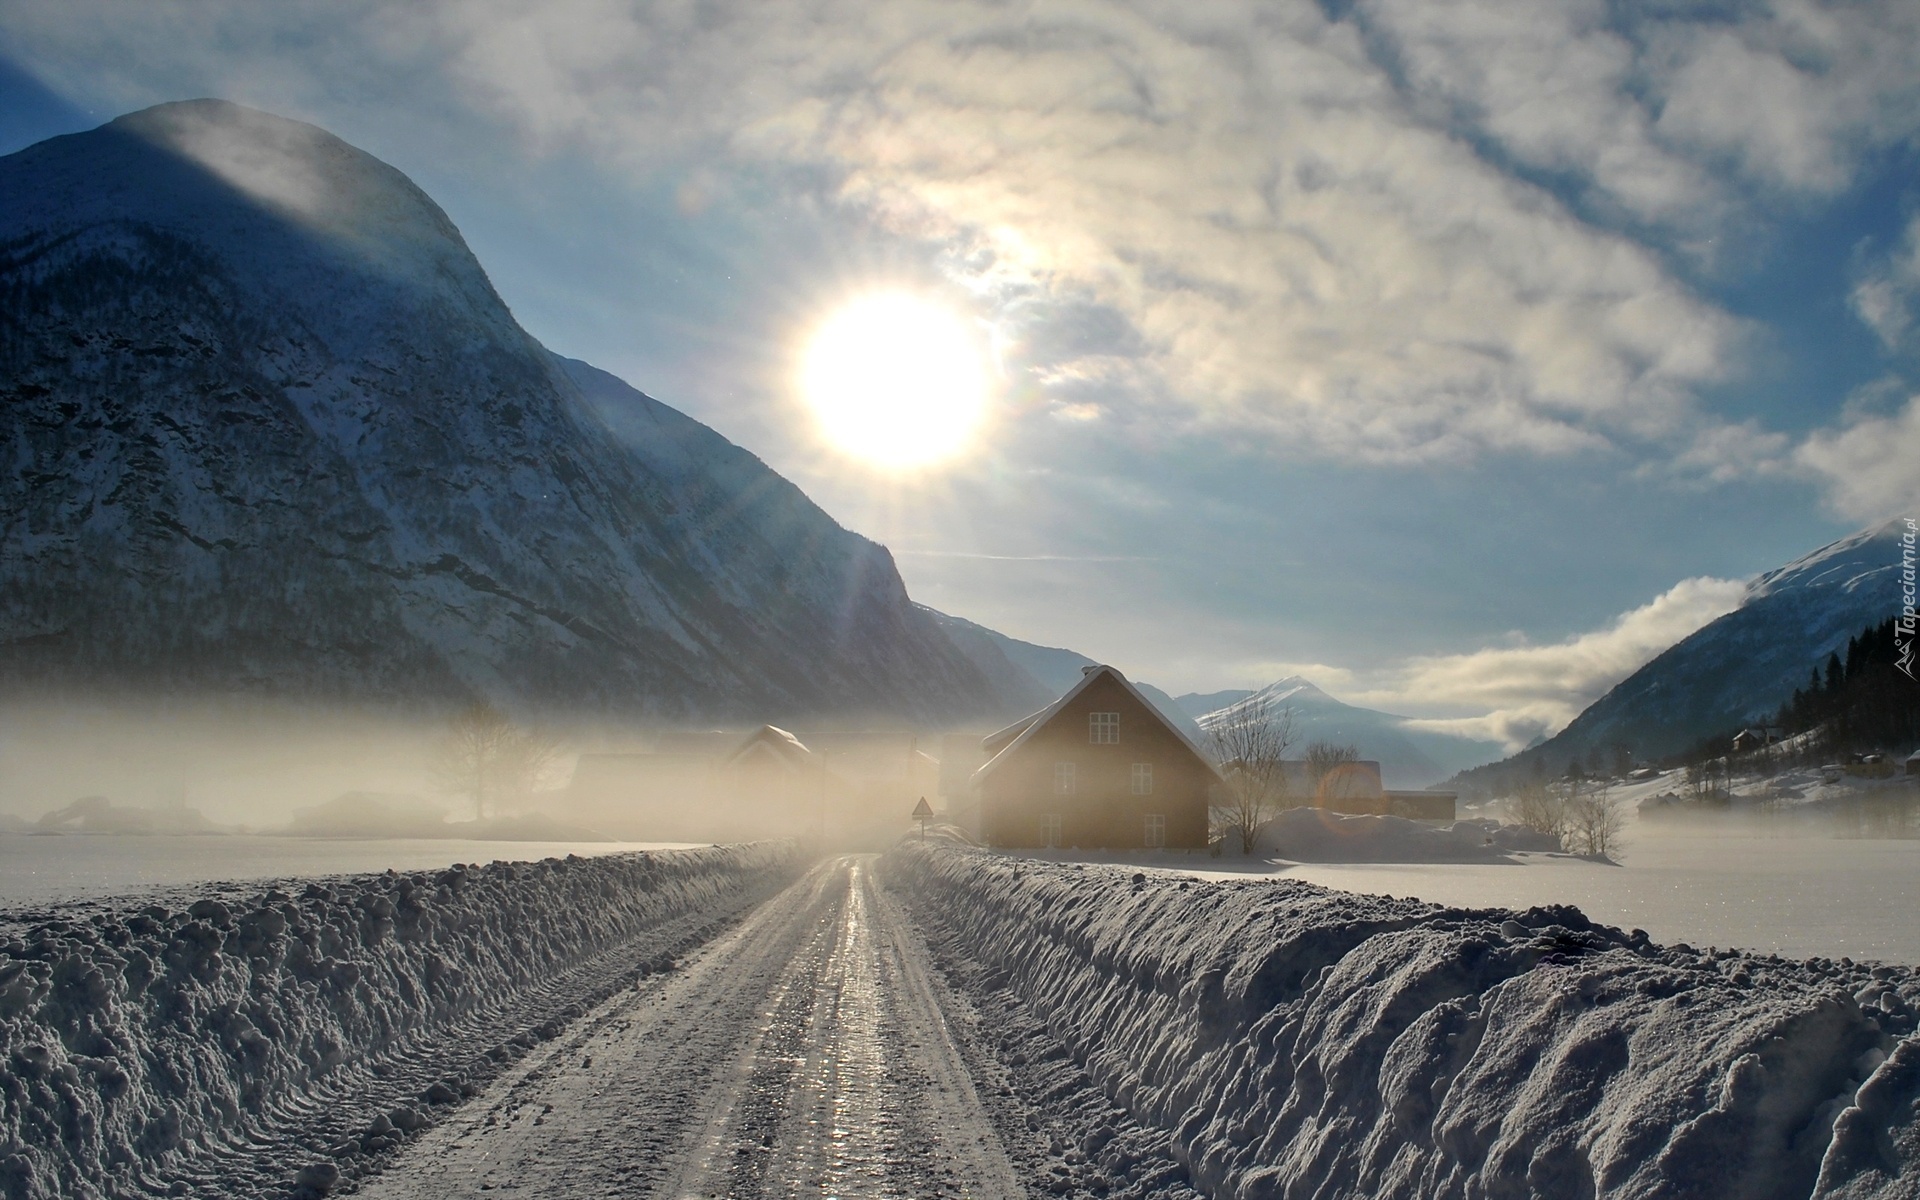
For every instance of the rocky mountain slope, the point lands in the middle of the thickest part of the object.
(1409, 757)
(1739, 668)
(267, 427)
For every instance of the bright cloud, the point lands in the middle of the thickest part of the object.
(1295, 220)
(1888, 292)
(1871, 465)
(1667, 115)
(1523, 691)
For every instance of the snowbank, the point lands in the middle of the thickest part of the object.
(1306, 1042)
(1315, 835)
(273, 1038)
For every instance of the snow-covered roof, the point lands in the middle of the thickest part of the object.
(997, 741)
(775, 740)
(1010, 739)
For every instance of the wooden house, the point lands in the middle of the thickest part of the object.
(1097, 768)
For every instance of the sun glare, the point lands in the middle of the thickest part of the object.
(896, 380)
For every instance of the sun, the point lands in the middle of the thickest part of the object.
(896, 380)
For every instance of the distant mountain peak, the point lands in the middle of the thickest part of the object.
(1857, 560)
(1409, 756)
(297, 169)
(1295, 686)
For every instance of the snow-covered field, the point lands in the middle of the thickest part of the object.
(266, 1040)
(42, 870)
(1779, 882)
(1800, 896)
(1301, 1042)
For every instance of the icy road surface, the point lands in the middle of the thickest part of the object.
(803, 1053)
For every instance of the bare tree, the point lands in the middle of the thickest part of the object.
(1537, 806)
(487, 758)
(1326, 769)
(1710, 782)
(1594, 820)
(1250, 742)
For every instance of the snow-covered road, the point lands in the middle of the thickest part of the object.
(940, 1022)
(803, 1053)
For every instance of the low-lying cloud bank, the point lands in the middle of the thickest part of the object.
(1530, 691)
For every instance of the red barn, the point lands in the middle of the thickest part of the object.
(1099, 767)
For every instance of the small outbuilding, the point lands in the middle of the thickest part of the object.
(1098, 768)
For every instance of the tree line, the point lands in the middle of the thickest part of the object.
(1857, 702)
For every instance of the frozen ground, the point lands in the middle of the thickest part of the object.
(42, 870)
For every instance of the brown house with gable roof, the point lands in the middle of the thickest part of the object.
(1099, 767)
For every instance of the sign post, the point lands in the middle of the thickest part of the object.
(921, 812)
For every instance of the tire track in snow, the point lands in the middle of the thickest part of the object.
(613, 1108)
(802, 1054)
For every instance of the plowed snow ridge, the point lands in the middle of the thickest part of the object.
(1301, 1042)
(269, 1041)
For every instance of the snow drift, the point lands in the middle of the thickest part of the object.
(1303, 1042)
(1315, 835)
(267, 1041)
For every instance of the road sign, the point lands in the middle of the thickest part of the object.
(921, 813)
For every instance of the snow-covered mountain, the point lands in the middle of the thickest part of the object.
(1409, 757)
(1742, 666)
(267, 427)
(1199, 704)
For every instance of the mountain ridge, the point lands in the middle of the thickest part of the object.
(1739, 668)
(272, 430)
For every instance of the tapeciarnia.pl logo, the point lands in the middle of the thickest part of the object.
(1903, 627)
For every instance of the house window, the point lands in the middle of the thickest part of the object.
(1156, 830)
(1143, 779)
(1050, 830)
(1063, 779)
(1103, 729)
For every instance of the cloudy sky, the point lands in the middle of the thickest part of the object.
(1458, 355)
